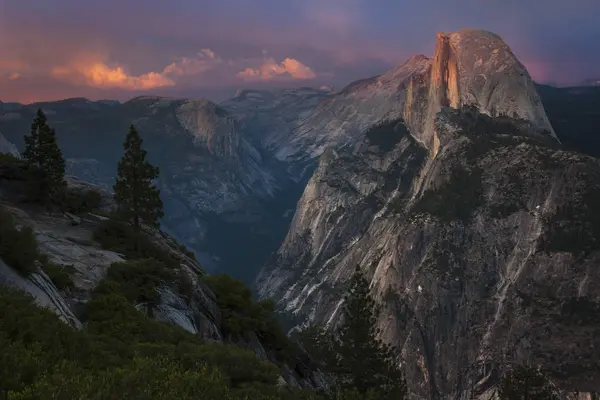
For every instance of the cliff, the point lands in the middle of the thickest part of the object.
(476, 229)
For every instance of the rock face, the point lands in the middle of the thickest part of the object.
(479, 234)
(468, 67)
(7, 147)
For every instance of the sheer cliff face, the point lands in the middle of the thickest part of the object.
(479, 234)
(468, 67)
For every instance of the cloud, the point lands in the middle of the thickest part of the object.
(92, 70)
(100, 75)
(14, 76)
(204, 61)
(270, 70)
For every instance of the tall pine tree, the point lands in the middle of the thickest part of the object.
(365, 362)
(45, 157)
(138, 199)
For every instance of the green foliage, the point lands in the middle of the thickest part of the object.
(387, 134)
(18, 247)
(138, 279)
(59, 275)
(575, 226)
(526, 383)
(45, 159)
(362, 364)
(366, 363)
(136, 196)
(10, 158)
(122, 354)
(121, 238)
(456, 199)
(241, 314)
(78, 202)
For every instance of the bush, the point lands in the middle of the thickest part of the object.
(78, 202)
(18, 247)
(138, 279)
(58, 274)
(240, 314)
(10, 157)
(121, 238)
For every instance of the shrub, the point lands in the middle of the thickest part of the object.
(121, 238)
(10, 157)
(18, 247)
(78, 202)
(58, 274)
(138, 279)
(240, 314)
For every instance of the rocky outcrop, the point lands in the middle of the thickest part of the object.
(468, 67)
(7, 147)
(473, 254)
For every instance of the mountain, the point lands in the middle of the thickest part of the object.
(217, 185)
(477, 228)
(590, 82)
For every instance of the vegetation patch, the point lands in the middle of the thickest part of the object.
(241, 314)
(457, 199)
(18, 247)
(387, 134)
(78, 202)
(60, 275)
(122, 238)
(575, 226)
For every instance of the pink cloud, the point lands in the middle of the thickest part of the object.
(270, 70)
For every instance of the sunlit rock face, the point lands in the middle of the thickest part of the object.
(471, 228)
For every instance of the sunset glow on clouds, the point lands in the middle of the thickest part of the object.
(69, 48)
(90, 70)
(270, 70)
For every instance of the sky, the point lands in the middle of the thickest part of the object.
(118, 49)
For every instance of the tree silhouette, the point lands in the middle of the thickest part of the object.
(45, 159)
(138, 199)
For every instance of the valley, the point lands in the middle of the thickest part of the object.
(466, 192)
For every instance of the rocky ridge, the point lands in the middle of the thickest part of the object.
(469, 221)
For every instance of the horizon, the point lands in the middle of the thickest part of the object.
(333, 91)
(211, 49)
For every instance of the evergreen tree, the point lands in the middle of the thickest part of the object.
(365, 363)
(138, 199)
(526, 383)
(45, 157)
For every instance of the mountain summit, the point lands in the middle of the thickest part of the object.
(445, 182)
(469, 67)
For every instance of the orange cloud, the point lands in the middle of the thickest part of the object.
(270, 70)
(91, 71)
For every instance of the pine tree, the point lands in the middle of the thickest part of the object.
(138, 199)
(526, 383)
(365, 362)
(45, 157)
